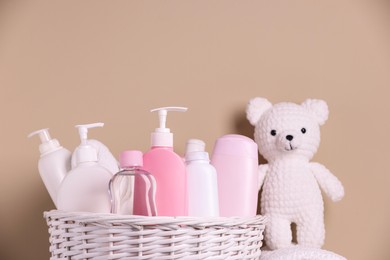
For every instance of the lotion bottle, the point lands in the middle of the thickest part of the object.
(235, 157)
(86, 187)
(54, 162)
(168, 168)
(105, 157)
(201, 181)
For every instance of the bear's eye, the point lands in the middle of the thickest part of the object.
(303, 130)
(273, 132)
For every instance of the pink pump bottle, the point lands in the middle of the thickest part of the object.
(168, 168)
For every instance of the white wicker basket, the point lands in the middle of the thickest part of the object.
(76, 235)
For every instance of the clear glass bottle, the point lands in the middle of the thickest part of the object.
(133, 190)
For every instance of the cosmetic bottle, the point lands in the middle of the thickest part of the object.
(235, 158)
(54, 162)
(195, 145)
(133, 189)
(86, 187)
(202, 183)
(105, 157)
(167, 167)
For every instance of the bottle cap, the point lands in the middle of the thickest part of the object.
(197, 156)
(235, 145)
(48, 144)
(131, 158)
(194, 145)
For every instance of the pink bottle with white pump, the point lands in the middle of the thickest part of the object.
(168, 168)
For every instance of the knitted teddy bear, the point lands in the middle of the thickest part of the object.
(288, 136)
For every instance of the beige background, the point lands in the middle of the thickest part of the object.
(68, 62)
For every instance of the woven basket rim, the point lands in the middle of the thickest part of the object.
(109, 218)
(85, 235)
(108, 215)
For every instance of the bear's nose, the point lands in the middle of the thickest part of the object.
(289, 137)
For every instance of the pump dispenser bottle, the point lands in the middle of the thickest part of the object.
(54, 162)
(105, 157)
(201, 181)
(167, 167)
(85, 188)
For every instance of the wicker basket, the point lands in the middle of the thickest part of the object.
(75, 235)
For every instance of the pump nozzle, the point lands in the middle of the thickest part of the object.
(85, 152)
(83, 130)
(48, 144)
(162, 115)
(162, 135)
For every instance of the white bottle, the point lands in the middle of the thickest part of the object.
(195, 145)
(85, 188)
(54, 162)
(105, 157)
(201, 181)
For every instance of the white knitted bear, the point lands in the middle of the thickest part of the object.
(288, 136)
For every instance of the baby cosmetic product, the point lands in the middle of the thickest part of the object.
(195, 145)
(168, 168)
(235, 158)
(105, 157)
(85, 188)
(201, 181)
(133, 190)
(54, 162)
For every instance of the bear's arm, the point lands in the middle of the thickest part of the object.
(262, 171)
(327, 181)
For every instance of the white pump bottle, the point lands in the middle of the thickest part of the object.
(85, 188)
(104, 156)
(54, 162)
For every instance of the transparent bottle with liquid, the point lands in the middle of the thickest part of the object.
(133, 190)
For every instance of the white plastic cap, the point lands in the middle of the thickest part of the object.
(85, 152)
(131, 158)
(197, 156)
(195, 145)
(48, 145)
(162, 135)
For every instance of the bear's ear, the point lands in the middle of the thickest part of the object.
(318, 108)
(256, 108)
